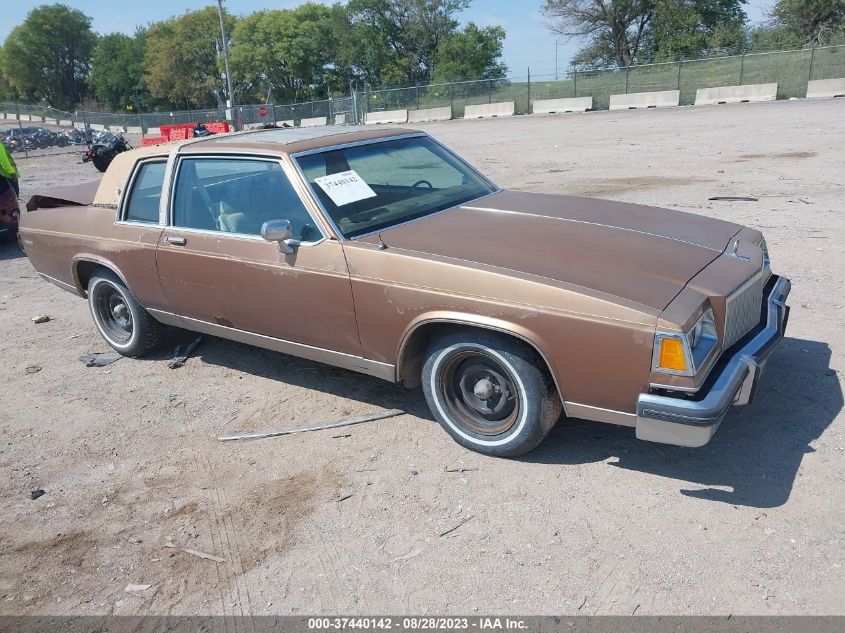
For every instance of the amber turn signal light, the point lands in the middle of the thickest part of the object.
(672, 354)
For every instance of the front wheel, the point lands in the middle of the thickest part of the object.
(491, 393)
(121, 320)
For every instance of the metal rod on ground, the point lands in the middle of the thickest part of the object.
(390, 413)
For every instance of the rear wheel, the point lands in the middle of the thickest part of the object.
(491, 393)
(121, 320)
(101, 163)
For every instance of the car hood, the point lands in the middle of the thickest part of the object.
(639, 253)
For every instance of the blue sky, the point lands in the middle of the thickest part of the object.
(529, 42)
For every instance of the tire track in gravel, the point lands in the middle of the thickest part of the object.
(233, 569)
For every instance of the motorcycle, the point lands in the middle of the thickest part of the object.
(201, 131)
(105, 149)
(74, 137)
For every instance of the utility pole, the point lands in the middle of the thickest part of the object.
(230, 102)
(556, 58)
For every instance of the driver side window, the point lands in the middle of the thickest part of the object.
(238, 196)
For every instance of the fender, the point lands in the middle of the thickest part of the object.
(474, 320)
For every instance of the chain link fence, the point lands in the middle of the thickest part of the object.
(791, 70)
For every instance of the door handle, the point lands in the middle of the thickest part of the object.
(176, 241)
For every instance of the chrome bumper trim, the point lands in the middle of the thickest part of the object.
(694, 422)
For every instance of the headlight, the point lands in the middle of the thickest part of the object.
(684, 354)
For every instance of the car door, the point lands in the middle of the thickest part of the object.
(217, 272)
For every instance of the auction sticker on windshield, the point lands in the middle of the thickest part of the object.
(345, 188)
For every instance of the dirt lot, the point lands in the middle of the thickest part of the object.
(594, 522)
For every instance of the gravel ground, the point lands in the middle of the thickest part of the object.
(351, 520)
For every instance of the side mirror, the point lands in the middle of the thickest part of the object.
(278, 231)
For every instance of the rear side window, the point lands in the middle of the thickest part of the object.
(238, 196)
(144, 198)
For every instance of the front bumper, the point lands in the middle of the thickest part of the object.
(693, 422)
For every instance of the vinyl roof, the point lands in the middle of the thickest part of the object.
(273, 141)
(286, 136)
(293, 139)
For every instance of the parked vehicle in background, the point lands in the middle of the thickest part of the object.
(33, 138)
(383, 252)
(200, 131)
(105, 149)
(75, 136)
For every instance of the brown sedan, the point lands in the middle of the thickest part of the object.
(385, 253)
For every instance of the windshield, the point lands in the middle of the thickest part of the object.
(368, 188)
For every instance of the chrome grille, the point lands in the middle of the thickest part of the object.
(743, 310)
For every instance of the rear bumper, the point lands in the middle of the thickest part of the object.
(693, 423)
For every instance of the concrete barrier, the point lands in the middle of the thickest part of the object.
(430, 114)
(490, 110)
(97, 126)
(554, 106)
(153, 131)
(289, 123)
(387, 116)
(736, 94)
(65, 123)
(644, 100)
(826, 88)
(341, 119)
(133, 129)
(315, 122)
(26, 117)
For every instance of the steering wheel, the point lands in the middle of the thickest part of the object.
(421, 182)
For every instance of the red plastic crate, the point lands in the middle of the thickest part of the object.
(177, 134)
(218, 128)
(186, 131)
(153, 140)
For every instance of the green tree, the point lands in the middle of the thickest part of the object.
(7, 92)
(615, 31)
(181, 59)
(691, 28)
(473, 53)
(48, 55)
(117, 71)
(773, 37)
(813, 21)
(290, 50)
(401, 36)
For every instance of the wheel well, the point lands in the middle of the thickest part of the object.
(413, 353)
(84, 271)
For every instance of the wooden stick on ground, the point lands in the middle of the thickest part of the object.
(333, 425)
